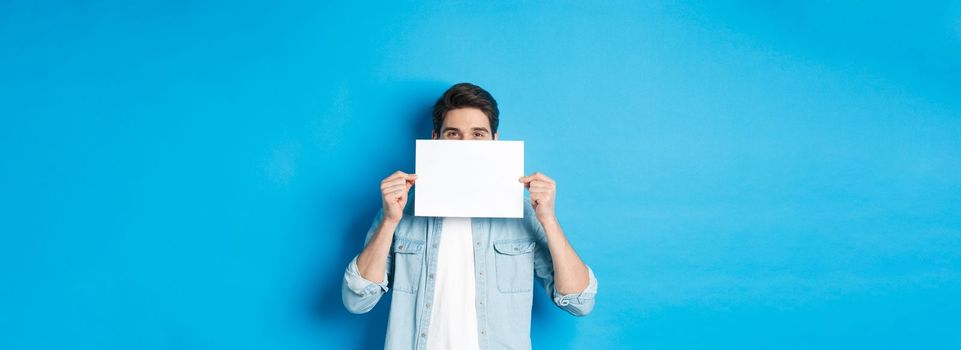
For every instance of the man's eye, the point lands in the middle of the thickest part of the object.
(477, 134)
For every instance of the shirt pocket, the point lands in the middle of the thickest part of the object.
(514, 262)
(408, 263)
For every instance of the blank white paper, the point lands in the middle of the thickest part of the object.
(467, 178)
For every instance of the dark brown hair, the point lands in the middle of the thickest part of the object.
(466, 95)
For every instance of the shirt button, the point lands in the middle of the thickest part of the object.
(483, 332)
(430, 276)
(428, 305)
(482, 303)
(422, 335)
(435, 245)
(482, 273)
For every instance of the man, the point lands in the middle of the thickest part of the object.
(465, 283)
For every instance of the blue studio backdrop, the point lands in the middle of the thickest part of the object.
(739, 174)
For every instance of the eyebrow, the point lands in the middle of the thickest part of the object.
(446, 129)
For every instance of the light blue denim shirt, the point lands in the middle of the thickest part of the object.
(509, 254)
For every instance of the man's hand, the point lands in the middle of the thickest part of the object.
(543, 191)
(393, 191)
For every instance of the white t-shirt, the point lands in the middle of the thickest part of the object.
(453, 321)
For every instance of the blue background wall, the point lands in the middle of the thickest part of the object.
(196, 175)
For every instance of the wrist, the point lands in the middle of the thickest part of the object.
(548, 219)
(386, 221)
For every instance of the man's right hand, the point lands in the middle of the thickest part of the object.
(393, 191)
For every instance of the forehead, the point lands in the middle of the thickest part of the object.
(466, 118)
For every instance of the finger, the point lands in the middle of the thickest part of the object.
(526, 180)
(394, 182)
(391, 189)
(398, 181)
(541, 188)
(391, 179)
(540, 182)
(540, 176)
(541, 194)
(410, 179)
(395, 188)
(395, 175)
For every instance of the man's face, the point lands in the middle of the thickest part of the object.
(465, 124)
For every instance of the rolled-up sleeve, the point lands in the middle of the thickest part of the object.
(359, 294)
(578, 304)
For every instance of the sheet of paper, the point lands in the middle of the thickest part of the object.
(461, 178)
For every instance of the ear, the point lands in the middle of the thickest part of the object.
(433, 135)
(495, 136)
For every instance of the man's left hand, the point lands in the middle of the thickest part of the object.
(543, 191)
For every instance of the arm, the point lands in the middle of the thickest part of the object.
(372, 261)
(367, 275)
(360, 294)
(570, 282)
(570, 273)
